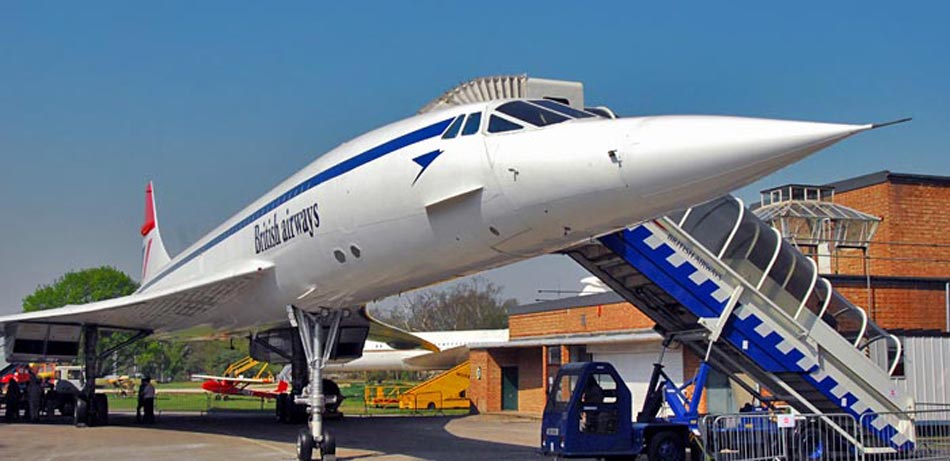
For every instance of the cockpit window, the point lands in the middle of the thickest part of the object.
(454, 128)
(531, 113)
(561, 108)
(471, 125)
(497, 124)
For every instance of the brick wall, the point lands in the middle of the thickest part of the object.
(605, 317)
(485, 393)
(902, 306)
(911, 241)
(913, 214)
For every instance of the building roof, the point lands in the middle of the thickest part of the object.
(612, 337)
(887, 176)
(567, 303)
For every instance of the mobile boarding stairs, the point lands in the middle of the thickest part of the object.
(762, 310)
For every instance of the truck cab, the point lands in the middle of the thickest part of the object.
(588, 415)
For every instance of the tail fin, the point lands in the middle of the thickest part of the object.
(154, 255)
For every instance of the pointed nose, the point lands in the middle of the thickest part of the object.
(681, 160)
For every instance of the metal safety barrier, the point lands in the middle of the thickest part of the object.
(765, 436)
(931, 430)
(761, 436)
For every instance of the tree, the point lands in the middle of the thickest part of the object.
(80, 287)
(473, 304)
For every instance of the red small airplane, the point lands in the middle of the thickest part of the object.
(241, 386)
(233, 381)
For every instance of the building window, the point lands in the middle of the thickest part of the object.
(554, 355)
(579, 354)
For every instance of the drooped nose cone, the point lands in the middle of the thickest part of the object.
(682, 160)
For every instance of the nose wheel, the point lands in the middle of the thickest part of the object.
(306, 446)
(311, 326)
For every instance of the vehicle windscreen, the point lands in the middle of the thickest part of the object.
(562, 390)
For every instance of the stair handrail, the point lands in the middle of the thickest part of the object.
(778, 248)
(811, 288)
(735, 228)
(824, 307)
(897, 356)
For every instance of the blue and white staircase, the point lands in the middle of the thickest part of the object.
(718, 269)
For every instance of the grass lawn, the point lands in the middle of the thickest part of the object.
(168, 400)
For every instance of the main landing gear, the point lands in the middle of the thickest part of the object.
(92, 409)
(315, 329)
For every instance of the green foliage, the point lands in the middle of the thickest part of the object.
(81, 287)
(470, 305)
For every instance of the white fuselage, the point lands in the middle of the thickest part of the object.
(379, 356)
(387, 212)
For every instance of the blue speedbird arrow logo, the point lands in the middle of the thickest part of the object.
(424, 161)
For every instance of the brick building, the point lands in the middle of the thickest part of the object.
(515, 375)
(908, 259)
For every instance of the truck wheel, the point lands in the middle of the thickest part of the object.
(304, 445)
(667, 446)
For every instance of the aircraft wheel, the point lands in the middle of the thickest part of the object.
(68, 408)
(81, 412)
(304, 445)
(666, 446)
(100, 402)
(328, 448)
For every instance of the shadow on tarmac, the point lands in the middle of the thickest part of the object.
(360, 438)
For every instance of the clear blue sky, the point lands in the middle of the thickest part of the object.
(217, 102)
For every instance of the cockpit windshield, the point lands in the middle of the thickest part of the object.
(561, 108)
(531, 113)
(515, 115)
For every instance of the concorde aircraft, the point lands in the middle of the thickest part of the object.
(494, 171)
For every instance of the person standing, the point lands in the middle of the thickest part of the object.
(148, 401)
(12, 400)
(34, 396)
(140, 402)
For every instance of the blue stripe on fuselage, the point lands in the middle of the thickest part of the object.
(345, 166)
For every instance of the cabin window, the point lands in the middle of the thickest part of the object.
(497, 124)
(530, 113)
(454, 128)
(472, 124)
(561, 108)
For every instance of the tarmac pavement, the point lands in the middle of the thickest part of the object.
(235, 436)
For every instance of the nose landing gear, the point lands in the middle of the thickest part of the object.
(312, 327)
